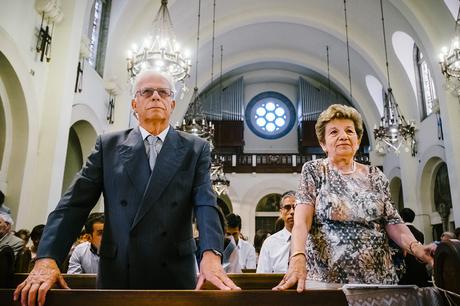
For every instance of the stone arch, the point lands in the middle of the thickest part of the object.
(397, 193)
(14, 134)
(225, 204)
(430, 162)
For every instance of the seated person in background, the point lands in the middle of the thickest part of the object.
(274, 255)
(259, 239)
(446, 236)
(344, 215)
(416, 273)
(35, 236)
(230, 257)
(3, 207)
(457, 233)
(246, 251)
(6, 236)
(85, 256)
(24, 235)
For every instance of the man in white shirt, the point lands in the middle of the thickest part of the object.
(246, 252)
(85, 256)
(274, 255)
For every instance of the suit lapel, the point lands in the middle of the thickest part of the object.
(168, 161)
(135, 161)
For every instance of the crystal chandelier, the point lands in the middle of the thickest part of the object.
(394, 130)
(220, 183)
(194, 121)
(160, 51)
(449, 59)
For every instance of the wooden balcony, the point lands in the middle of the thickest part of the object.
(272, 163)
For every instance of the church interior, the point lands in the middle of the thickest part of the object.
(259, 71)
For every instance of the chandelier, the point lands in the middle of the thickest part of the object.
(220, 183)
(194, 121)
(449, 59)
(394, 131)
(160, 51)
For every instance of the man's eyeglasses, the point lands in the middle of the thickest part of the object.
(148, 92)
(288, 207)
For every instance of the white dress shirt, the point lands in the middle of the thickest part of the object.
(83, 260)
(247, 254)
(274, 254)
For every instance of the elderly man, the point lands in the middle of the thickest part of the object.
(6, 236)
(153, 178)
(274, 254)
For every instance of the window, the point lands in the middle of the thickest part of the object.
(98, 32)
(267, 212)
(425, 82)
(270, 115)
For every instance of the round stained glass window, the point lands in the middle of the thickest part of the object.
(270, 115)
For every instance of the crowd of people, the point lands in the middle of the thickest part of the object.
(335, 229)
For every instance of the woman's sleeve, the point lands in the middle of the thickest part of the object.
(306, 191)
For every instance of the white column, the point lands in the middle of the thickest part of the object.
(56, 116)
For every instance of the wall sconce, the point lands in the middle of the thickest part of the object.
(113, 89)
(84, 54)
(51, 13)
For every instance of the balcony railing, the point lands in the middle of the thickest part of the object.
(272, 163)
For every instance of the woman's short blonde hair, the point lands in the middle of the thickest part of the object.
(338, 111)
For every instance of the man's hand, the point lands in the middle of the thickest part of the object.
(296, 274)
(43, 276)
(211, 270)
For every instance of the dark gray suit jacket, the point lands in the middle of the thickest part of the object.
(147, 241)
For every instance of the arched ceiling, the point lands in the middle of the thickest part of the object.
(290, 36)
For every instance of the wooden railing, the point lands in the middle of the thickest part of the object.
(78, 297)
(272, 163)
(256, 291)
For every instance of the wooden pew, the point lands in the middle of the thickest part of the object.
(244, 281)
(78, 297)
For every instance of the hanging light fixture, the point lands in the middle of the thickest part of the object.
(220, 183)
(160, 51)
(450, 61)
(219, 180)
(194, 121)
(394, 130)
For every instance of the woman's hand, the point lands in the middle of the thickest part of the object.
(424, 252)
(296, 274)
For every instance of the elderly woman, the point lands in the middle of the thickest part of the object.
(344, 215)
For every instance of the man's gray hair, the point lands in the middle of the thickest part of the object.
(287, 194)
(147, 73)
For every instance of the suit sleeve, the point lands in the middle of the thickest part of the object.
(206, 210)
(66, 221)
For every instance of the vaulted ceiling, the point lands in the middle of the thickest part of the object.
(279, 40)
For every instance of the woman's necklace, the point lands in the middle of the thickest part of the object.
(353, 169)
